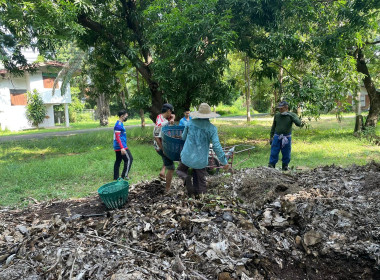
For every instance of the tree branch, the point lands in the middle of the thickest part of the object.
(128, 8)
(372, 43)
(287, 71)
(101, 30)
(125, 7)
(122, 246)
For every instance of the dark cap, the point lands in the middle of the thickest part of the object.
(282, 104)
(166, 107)
(121, 112)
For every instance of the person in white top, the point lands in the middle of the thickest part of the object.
(167, 117)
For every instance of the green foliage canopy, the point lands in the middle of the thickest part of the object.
(178, 47)
(191, 41)
(313, 41)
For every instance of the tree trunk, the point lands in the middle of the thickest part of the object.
(187, 104)
(142, 66)
(141, 111)
(157, 101)
(122, 96)
(184, 104)
(274, 102)
(142, 117)
(359, 117)
(103, 109)
(247, 91)
(280, 78)
(156, 96)
(278, 94)
(374, 96)
(358, 124)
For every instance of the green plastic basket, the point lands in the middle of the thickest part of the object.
(114, 195)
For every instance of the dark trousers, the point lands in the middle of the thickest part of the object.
(199, 178)
(127, 158)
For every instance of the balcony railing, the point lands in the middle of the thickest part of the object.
(57, 98)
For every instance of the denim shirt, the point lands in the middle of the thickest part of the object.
(197, 135)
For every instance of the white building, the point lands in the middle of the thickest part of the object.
(13, 95)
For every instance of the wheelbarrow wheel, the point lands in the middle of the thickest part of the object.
(213, 164)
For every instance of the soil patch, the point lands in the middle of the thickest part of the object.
(254, 224)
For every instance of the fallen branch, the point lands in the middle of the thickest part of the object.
(34, 200)
(123, 246)
(72, 267)
(56, 263)
(108, 232)
(53, 266)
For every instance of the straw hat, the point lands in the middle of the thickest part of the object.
(204, 112)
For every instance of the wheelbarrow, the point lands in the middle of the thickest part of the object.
(214, 164)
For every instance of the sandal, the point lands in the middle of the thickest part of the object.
(163, 178)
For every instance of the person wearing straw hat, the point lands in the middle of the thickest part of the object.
(198, 134)
(280, 135)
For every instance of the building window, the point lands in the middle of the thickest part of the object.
(362, 100)
(49, 80)
(18, 97)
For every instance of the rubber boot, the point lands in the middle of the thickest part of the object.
(272, 165)
(189, 185)
(285, 167)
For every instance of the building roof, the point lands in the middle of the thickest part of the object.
(39, 65)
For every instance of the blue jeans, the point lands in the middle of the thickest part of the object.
(276, 148)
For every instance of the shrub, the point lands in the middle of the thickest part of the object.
(35, 108)
(84, 117)
(236, 109)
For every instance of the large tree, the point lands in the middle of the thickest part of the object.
(352, 29)
(316, 45)
(178, 47)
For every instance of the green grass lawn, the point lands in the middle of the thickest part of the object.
(73, 126)
(76, 166)
(325, 142)
(238, 108)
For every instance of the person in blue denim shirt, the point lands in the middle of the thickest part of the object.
(198, 134)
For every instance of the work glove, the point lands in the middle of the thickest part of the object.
(226, 167)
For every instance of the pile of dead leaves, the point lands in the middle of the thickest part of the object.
(254, 224)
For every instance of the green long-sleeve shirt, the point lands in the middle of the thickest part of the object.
(282, 124)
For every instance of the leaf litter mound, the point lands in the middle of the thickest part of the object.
(253, 224)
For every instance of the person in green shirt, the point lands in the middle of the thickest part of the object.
(280, 135)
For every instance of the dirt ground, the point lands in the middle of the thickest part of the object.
(253, 224)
